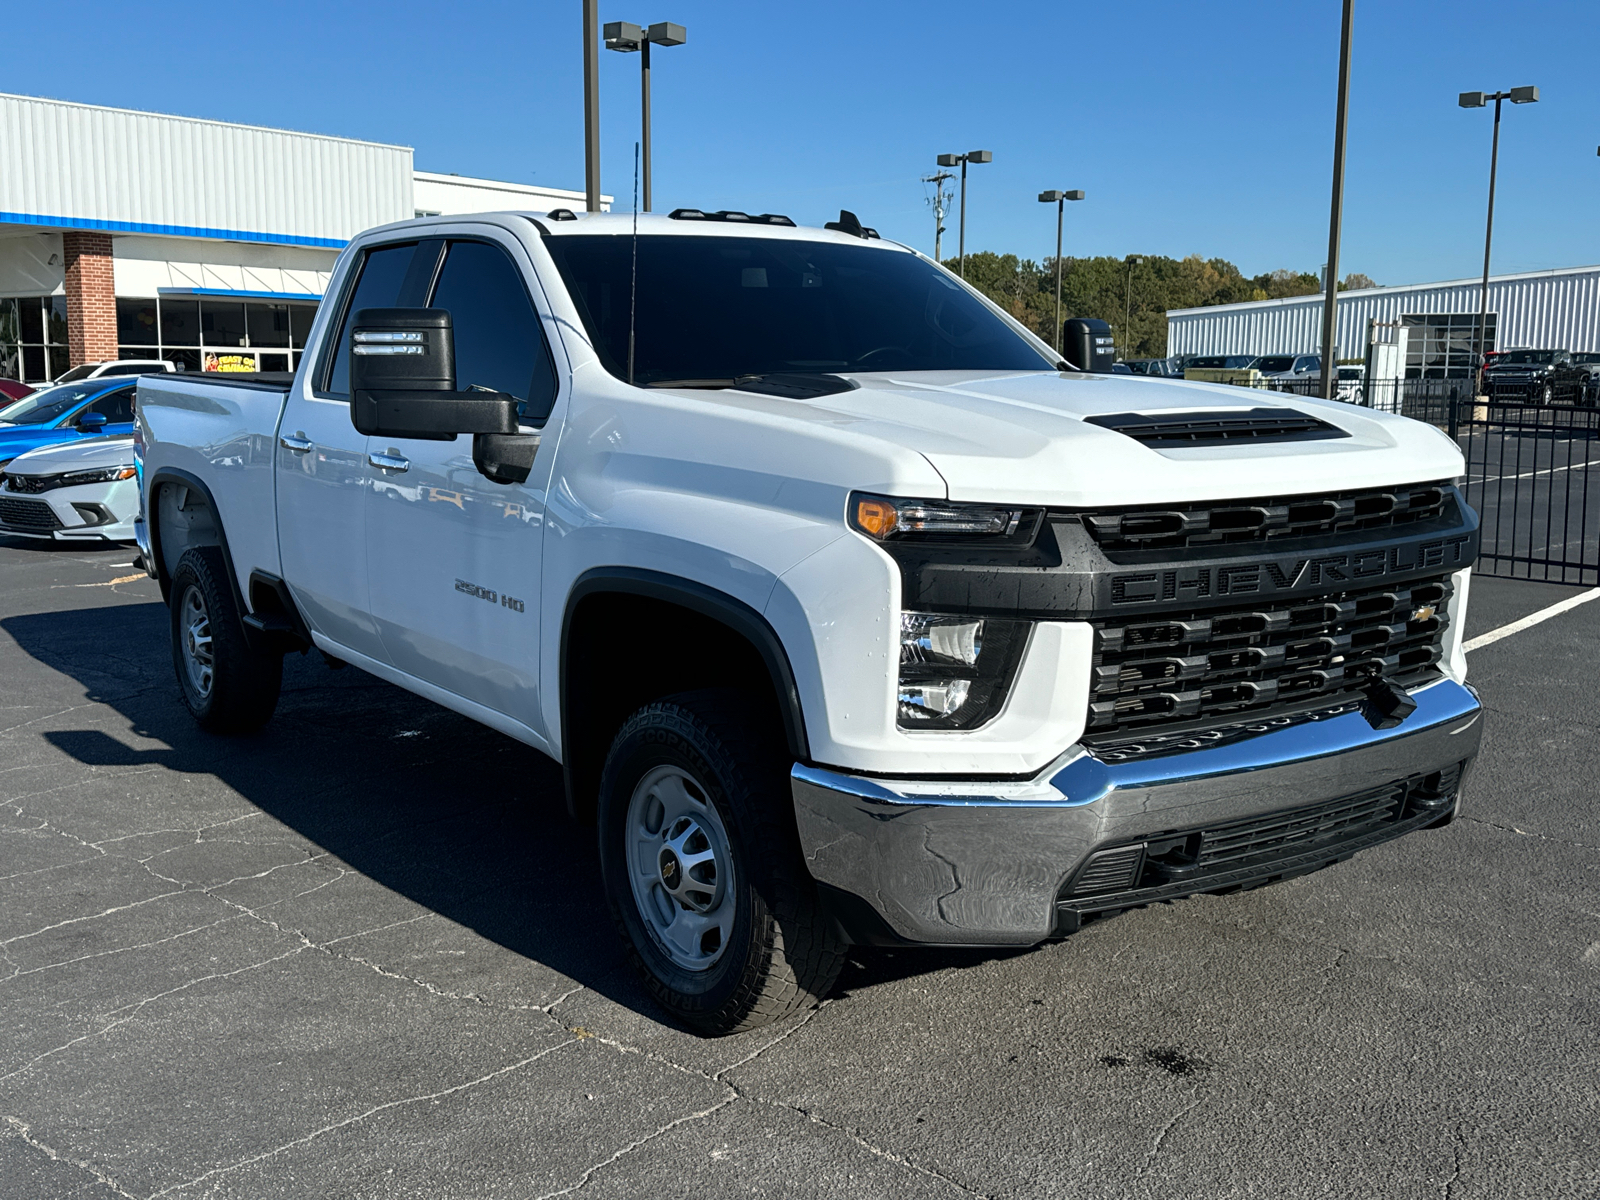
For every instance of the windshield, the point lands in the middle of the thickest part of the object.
(1277, 363)
(82, 372)
(1525, 356)
(46, 404)
(1586, 358)
(1224, 362)
(714, 308)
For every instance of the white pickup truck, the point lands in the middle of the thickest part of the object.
(853, 613)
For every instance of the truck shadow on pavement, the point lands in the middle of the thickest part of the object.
(426, 803)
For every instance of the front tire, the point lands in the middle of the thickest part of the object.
(228, 686)
(702, 866)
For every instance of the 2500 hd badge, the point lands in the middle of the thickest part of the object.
(489, 594)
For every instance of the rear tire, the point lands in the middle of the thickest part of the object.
(702, 866)
(228, 686)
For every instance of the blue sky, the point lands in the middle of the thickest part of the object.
(1195, 128)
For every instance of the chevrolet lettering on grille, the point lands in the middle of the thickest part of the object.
(1292, 574)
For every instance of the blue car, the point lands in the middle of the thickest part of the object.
(65, 413)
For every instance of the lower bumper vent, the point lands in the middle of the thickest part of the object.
(1184, 861)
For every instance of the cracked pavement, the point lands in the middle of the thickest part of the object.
(365, 954)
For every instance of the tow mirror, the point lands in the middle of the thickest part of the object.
(1088, 345)
(403, 385)
(91, 422)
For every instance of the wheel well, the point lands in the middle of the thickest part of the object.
(184, 517)
(622, 650)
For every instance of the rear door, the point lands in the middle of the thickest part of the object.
(454, 560)
(322, 470)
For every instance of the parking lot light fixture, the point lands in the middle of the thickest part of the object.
(1059, 199)
(961, 160)
(626, 37)
(1518, 95)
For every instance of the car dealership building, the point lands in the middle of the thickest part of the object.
(128, 234)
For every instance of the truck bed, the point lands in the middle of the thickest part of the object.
(218, 432)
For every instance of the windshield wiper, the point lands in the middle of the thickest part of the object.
(787, 384)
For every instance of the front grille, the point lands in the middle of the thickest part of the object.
(1209, 429)
(1195, 668)
(33, 515)
(1269, 519)
(31, 484)
(1190, 856)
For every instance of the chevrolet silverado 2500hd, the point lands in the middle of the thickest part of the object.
(851, 611)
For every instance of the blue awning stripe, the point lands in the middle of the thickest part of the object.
(194, 231)
(237, 293)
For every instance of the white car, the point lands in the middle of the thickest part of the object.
(121, 366)
(81, 491)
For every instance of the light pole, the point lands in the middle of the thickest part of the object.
(591, 104)
(1127, 305)
(627, 37)
(1521, 95)
(961, 160)
(1330, 294)
(1060, 200)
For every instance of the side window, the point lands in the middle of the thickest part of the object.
(117, 407)
(383, 271)
(499, 344)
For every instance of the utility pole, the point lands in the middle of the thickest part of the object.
(1330, 353)
(941, 198)
(591, 104)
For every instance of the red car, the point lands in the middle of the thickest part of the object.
(12, 390)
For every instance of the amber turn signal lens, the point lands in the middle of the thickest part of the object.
(876, 517)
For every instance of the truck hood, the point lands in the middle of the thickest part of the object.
(85, 454)
(1024, 438)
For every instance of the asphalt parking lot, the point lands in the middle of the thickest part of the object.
(364, 954)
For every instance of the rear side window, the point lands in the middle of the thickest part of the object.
(117, 407)
(498, 342)
(383, 271)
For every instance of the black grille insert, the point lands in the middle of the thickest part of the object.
(1192, 855)
(1269, 519)
(1174, 430)
(35, 516)
(31, 484)
(1161, 673)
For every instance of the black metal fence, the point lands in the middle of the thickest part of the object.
(1533, 469)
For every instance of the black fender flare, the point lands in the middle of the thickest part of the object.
(707, 601)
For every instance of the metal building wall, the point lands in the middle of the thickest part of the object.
(80, 166)
(1543, 309)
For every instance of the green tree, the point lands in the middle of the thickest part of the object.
(1133, 299)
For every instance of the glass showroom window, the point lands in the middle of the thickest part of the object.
(33, 338)
(201, 333)
(1440, 345)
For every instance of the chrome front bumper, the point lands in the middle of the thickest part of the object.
(952, 863)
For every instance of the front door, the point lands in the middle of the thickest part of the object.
(323, 474)
(453, 558)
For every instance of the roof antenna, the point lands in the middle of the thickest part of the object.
(633, 281)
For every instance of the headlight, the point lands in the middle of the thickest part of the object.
(104, 475)
(955, 671)
(885, 518)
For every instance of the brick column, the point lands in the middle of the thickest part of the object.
(91, 297)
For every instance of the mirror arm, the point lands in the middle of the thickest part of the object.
(505, 457)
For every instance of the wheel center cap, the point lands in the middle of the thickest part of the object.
(671, 871)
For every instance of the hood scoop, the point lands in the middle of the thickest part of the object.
(1174, 430)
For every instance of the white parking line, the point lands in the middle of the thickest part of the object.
(1547, 471)
(1529, 621)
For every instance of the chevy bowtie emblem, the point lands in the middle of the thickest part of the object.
(1423, 613)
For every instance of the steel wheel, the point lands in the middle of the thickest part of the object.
(196, 625)
(680, 868)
